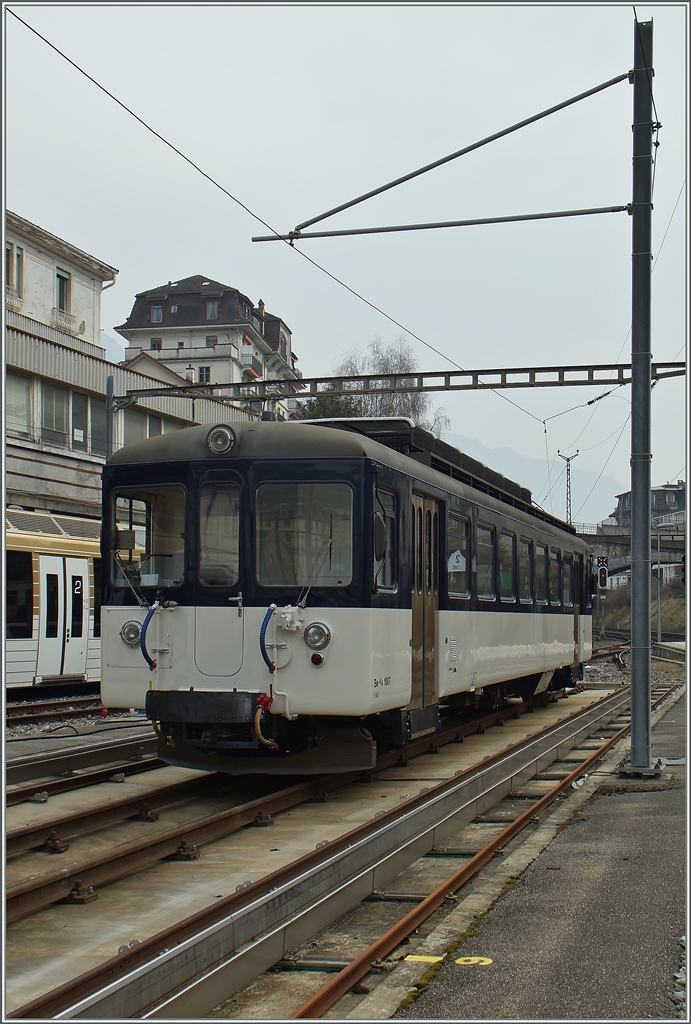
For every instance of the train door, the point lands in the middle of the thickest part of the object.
(63, 616)
(425, 599)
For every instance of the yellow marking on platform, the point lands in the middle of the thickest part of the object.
(425, 959)
(474, 961)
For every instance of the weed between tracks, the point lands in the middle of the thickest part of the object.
(451, 951)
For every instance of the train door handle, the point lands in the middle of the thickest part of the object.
(238, 601)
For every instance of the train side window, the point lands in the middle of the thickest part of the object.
(507, 566)
(567, 576)
(554, 576)
(19, 595)
(541, 573)
(219, 534)
(457, 579)
(525, 571)
(385, 575)
(485, 563)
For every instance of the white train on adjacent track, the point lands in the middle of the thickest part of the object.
(52, 599)
(291, 597)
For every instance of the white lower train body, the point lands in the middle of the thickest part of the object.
(367, 667)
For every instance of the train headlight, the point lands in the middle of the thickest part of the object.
(220, 440)
(317, 636)
(131, 633)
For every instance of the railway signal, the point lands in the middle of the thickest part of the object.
(602, 573)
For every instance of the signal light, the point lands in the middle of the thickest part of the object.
(602, 577)
(317, 659)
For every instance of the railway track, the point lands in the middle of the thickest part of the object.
(252, 928)
(25, 713)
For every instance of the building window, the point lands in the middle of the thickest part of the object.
(181, 344)
(62, 290)
(155, 426)
(54, 412)
(212, 309)
(157, 314)
(97, 427)
(211, 340)
(156, 344)
(174, 309)
(19, 271)
(8, 265)
(204, 374)
(135, 425)
(18, 404)
(80, 404)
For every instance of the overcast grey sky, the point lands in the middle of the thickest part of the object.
(295, 109)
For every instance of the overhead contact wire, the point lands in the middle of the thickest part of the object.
(256, 217)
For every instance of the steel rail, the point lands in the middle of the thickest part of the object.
(82, 781)
(35, 893)
(16, 714)
(66, 826)
(70, 759)
(331, 992)
(249, 931)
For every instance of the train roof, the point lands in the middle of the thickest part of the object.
(337, 438)
(19, 521)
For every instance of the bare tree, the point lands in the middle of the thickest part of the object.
(382, 360)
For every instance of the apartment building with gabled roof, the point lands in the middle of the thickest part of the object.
(211, 333)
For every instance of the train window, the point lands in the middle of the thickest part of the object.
(97, 597)
(457, 556)
(219, 534)
(51, 604)
(507, 566)
(419, 552)
(304, 535)
(485, 563)
(19, 595)
(525, 571)
(435, 553)
(541, 573)
(148, 539)
(554, 576)
(77, 610)
(385, 575)
(567, 575)
(428, 552)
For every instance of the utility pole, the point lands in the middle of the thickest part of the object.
(568, 459)
(641, 456)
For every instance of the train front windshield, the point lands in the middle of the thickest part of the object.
(304, 535)
(148, 536)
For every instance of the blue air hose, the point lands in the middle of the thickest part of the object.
(151, 662)
(262, 639)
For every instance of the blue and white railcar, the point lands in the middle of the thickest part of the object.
(291, 597)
